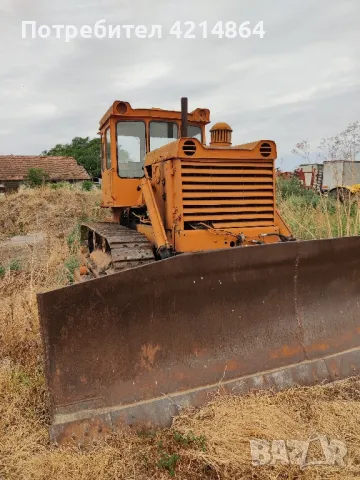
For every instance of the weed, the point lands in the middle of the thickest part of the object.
(85, 218)
(15, 265)
(21, 378)
(73, 239)
(2, 272)
(190, 439)
(71, 264)
(168, 462)
(58, 185)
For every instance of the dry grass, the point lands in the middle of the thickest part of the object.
(325, 220)
(47, 209)
(212, 442)
(311, 216)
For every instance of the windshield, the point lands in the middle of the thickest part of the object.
(131, 148)
(194, 132)
(162, 133)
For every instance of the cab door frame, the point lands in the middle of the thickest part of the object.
(107, 170)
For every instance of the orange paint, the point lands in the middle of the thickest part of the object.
(83, 270)
(195, 197)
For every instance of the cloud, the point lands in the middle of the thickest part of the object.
(302, 80)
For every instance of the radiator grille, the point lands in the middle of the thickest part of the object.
(228, 195)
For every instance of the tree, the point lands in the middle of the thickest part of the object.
(86, 152)
(303, 150)
(343, 146)
(36, 177)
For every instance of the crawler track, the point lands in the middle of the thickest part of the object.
(113, 248)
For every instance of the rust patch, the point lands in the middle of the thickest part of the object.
(147, 356)
(286, 352)
(232, 366)
(200, 352)
(179, 376)
(333, 368)
(159, 412)
(318, 347)
(82, 432)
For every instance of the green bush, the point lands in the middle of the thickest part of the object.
(287, 187)
(291, 189)
(87, 185)
(36, 177)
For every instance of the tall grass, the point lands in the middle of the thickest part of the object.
(313, 216)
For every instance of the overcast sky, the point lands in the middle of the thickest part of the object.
(301, 81)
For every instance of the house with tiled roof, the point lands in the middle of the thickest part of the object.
(14, 170)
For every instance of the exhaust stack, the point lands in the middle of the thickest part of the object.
(184, 117)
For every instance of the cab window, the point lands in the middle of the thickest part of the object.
(131, 148)
(194, 132)
(162, 133)
(108, 149)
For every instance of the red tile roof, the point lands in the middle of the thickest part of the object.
(13, 167)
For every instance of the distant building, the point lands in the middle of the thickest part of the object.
(14, 170)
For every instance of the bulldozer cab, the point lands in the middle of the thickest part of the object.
(127, 135)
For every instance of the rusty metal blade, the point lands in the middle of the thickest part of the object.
(136, 346)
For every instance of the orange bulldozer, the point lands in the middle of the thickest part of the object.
(196, 282)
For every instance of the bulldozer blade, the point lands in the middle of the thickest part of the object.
(138, 346)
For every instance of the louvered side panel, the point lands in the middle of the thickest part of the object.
(225, 195)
